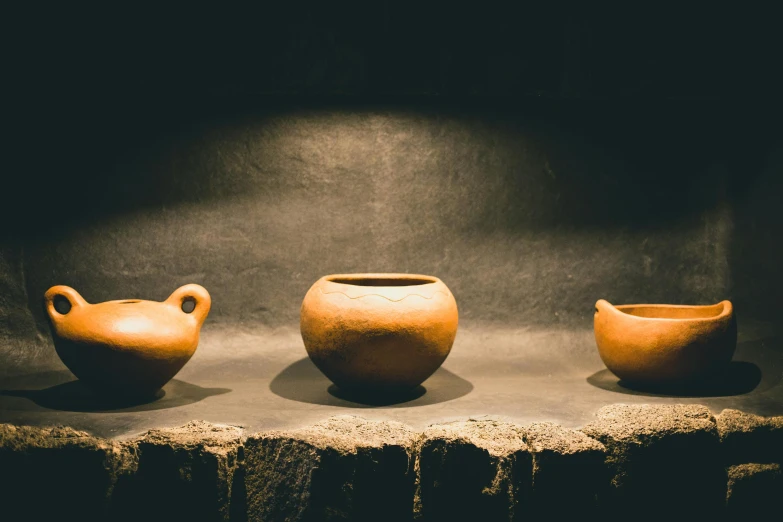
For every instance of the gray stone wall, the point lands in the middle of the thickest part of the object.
(535, 156)
(528, 213)
(677, 460)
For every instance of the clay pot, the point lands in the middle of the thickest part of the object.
(378, 332)
(129, 347)
(656, 343)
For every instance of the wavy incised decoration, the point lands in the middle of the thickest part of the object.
(387, 298)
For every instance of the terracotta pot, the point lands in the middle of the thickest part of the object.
(128, 347)
(656, 343)
(378, 332)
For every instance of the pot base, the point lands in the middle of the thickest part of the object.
(116, 373)
(375, 397)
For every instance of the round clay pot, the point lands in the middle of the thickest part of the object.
(657, 343)
(378, 332)
(128, 347)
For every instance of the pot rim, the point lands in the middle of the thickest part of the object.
(727, 311)
(370, 279)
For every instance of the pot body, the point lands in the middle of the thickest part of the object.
(379, 332)
(127, 347)
(665, 343)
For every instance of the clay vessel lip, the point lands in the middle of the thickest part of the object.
(726, 309)
(381, 280)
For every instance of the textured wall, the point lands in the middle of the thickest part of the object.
(529, 212)
(533, 155)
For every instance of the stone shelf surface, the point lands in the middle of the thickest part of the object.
(263, 380)
(518, 424)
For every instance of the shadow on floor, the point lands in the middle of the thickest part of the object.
(739, 378)
(75, 396)
(303, 382)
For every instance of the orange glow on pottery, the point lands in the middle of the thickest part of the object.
(654, 343)
(380, 332)
(131, 346)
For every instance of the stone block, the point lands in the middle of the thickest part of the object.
(663, 457)
(184, 473)
(345, 468)
(477, 469)
(568, 471)
(754, 491)
(58, 473)
(750, 438)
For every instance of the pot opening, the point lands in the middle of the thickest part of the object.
(62, 304)
(673, 312)
(382, 281)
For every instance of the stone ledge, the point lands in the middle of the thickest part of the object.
(566, 464)
(182, 473)
(669, 453)
(750, 438)
(476, 470)
(754, 490)
(345, 468)
(669, 458)
(48, 472)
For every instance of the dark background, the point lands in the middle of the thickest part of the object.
(536, 156)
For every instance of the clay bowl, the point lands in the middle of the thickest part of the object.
(660, 344)
(129, 347)
(378, 333)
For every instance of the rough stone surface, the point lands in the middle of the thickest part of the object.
(641, 461)
(345, 468)
(58, 473)
(184, 473)
(750, 438)
(663, 457)
(477, 469)
(567, 464)
(754, 490)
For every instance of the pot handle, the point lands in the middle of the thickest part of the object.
(602, 304)
(62, 292)
(192, 293)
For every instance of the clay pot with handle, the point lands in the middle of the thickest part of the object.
(127, 347)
